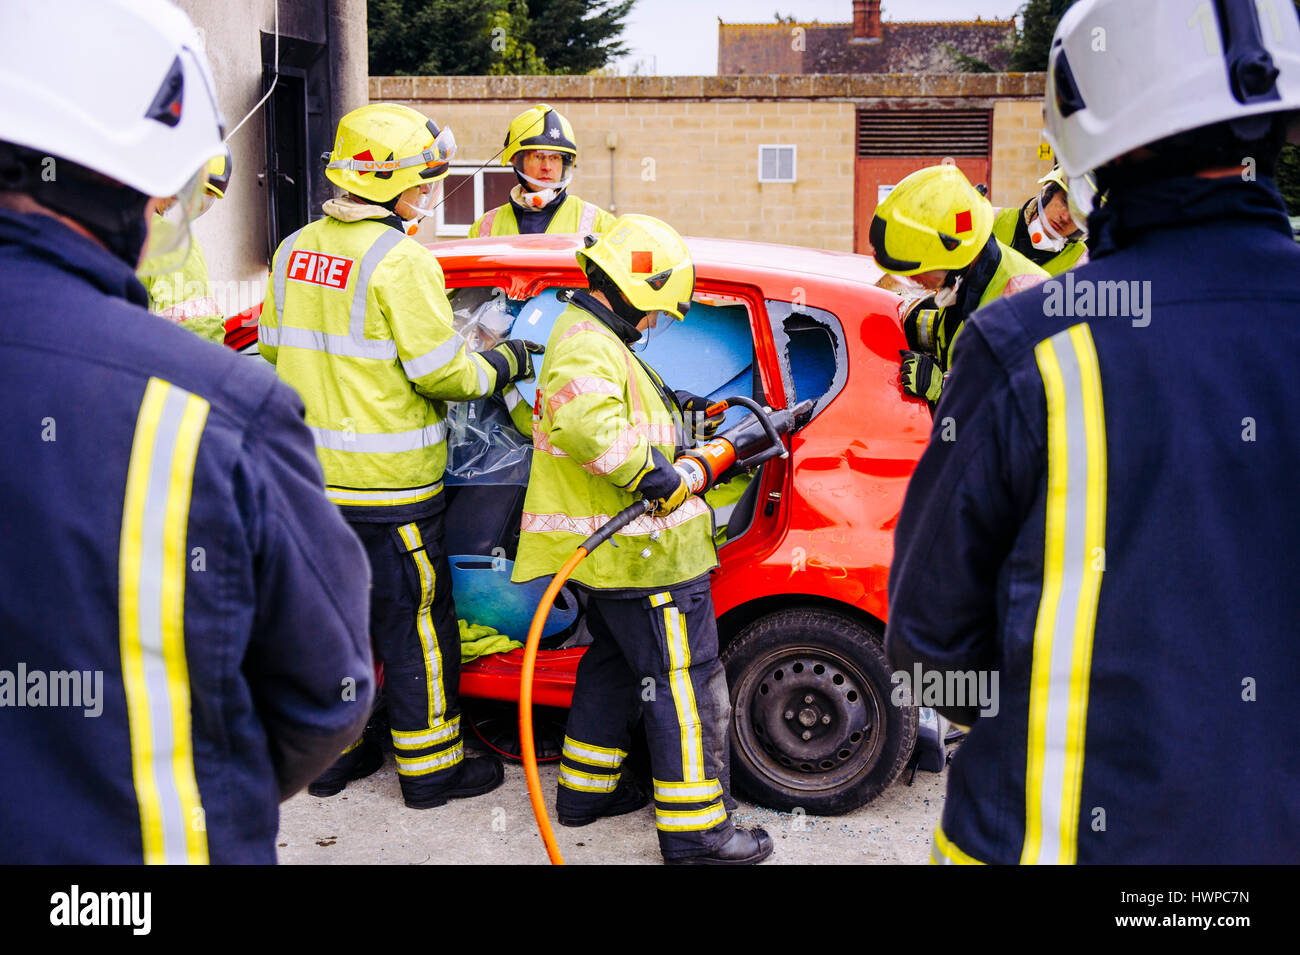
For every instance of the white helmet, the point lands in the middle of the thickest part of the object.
(127, 94)
(1122, 75)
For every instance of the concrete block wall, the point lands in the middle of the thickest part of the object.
(687, 146)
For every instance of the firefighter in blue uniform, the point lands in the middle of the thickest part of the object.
(170, 561)
(1113, 528)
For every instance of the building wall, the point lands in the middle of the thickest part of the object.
(234, 232)
(687, 147)
(1017, 133)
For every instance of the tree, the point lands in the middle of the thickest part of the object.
(1033, 41)
(1288, 170)
(478, 37)
(577, 36)
(431, 37)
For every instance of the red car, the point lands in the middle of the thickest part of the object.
(801, 588)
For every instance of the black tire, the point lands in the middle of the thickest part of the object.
(812, 671)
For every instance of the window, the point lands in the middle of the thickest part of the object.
(468, 192)
(776, 163)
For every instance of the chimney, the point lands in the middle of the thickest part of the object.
(866, 21)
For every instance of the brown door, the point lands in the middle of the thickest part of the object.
(894, 143)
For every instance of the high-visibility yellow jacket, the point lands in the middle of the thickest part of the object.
(574, 215)
(356, 318)
(599, 414)
(1010, 229)
(185, 297)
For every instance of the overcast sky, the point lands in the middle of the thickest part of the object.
(680, 37)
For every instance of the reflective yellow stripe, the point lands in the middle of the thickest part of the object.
(571, 778)
(658, 600)
(688, 820)
(687, 792)
(152, 562)
(679, 680)
(419, 739)
(592, 754)
(1073, 564)
(943, 852)
(423, 765)
(410, 534)
(359, 740)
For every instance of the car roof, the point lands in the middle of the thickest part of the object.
(711, 256)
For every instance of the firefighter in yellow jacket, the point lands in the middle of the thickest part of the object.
(605, 431)
(934, 227)
(1048, 230)
(185, 296)
(356, 318)
(541, 147)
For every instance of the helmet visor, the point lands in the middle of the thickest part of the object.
(533, 165)
(425, 202)
(659, 322)
(1081, 195)
(168, 242)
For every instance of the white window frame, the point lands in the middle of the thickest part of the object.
(794, 161)
(460, 169)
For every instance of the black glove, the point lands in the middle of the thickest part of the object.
(513, 360)
(663, 484)
(698, 426)
(921, 376)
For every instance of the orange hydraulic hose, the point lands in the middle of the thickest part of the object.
(529, 752)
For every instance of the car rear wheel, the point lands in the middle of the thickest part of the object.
(812, 726)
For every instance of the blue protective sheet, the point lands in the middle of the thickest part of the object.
(702, 355)
(485, 595)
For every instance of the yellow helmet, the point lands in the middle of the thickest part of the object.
(383, 149)
(934, 219)
(648, 262)
(219, 170)
(539, 127)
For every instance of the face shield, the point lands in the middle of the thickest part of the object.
(1082, 197)
(658, 323)
(539, 160)
(168, 242)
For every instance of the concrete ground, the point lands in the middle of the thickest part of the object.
(367, 823)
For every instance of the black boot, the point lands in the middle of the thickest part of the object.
(745, 847)
(473, 777)
(626, 797)
(354, 764)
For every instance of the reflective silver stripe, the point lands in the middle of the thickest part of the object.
(572, 778)
(432, 360)
(687, 792)
(342, 345)
(588, 218)
(282, 275)
(488, 219)
(484, 370)
(1063, 635)
(593, 755)
(419, 765)
(151, 625)
(374, 255)
(403, 739)
(269, 335)
(513, 398)
(690, 820)
(381, 443)
(362, 497)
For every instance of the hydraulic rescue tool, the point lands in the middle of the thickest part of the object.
(755, 440)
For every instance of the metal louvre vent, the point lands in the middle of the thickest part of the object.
(951, 132)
